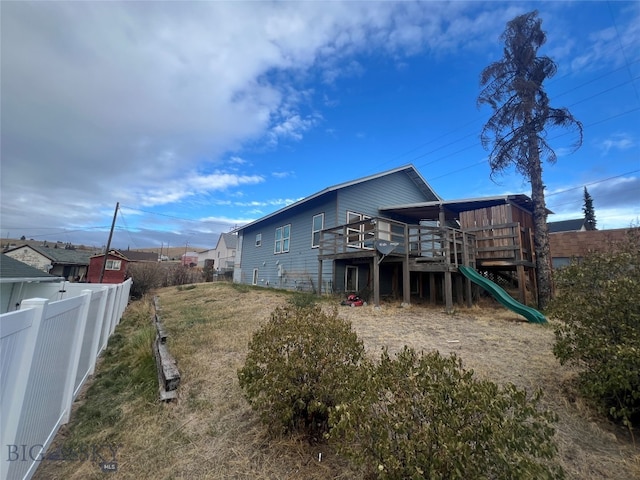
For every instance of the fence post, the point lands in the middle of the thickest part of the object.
(107, 319)
(16, 397)
(74, 359)
(95, 342)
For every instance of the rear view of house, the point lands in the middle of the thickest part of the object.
(281, 249)
(390, 234)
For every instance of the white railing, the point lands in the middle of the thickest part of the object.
(48, 350)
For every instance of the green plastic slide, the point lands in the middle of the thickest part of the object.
(531, 314)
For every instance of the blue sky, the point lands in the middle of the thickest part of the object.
(198, 117)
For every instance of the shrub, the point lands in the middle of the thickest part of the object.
(181, 275)
(297, 368)
(423, 416)
(597, 301)
(303, 299)
(146, 276)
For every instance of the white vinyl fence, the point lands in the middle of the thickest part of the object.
(48, 349)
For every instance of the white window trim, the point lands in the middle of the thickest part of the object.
(282, 239)
(111, 265)
(314, 231)
(363, 241)
(258, 239)
(254, 280)
(346, 276)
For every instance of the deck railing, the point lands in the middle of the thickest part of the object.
(425, 243)
(361, 236)
(509, 241)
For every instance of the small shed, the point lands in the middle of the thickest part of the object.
(114, 270)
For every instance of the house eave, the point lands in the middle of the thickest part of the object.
(410, 169)
(31, 279)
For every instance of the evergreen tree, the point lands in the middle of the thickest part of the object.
(589, 213)
(515, 135)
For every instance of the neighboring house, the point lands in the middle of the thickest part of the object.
(575, 225)
(281, 249)
(567, 245)
(189, 259)
(115, 269)
(223, 255)
(206, 257)
(15, 276)
(62, 262)
(225, 252)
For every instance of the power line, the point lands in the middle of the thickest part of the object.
(591, 183)
(215, 222)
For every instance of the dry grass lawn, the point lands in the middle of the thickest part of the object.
(210, 431)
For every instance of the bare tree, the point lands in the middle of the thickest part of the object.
(516, 133)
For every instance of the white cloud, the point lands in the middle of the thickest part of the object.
(131, 101)
(619, 141)
(282, 174)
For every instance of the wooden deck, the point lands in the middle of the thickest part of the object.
(420, 248)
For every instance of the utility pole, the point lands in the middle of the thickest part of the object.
(106, 252)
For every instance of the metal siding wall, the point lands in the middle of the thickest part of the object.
(300, 264)
(367, 197)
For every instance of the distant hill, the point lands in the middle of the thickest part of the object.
(9, 243)
(174, 253)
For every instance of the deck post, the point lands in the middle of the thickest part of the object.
(448, 294)
(466, 261)
(319, 277)
(448, 287)
(522, 283)
(467, 292)
(376, 281)
(406, 275)
(406, 280)
(459, 290)
(433, 296)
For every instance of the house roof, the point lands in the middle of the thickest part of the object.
(572, 225)
(60, 256)
(410, 170)
(12, 271)
(230, 240)
(131, 255)
(453, 208)
(113, 253)
(135, 256)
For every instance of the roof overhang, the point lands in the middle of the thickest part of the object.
(409, 169)
(453, 208)
(31, 280)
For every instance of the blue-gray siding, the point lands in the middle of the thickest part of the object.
(298, 268)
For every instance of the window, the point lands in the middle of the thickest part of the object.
(361, 235)
(258, 239)
(113, 265)
(283, 236)
(254, 281)
(317, 225)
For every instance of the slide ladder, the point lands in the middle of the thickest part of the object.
(531, 314)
